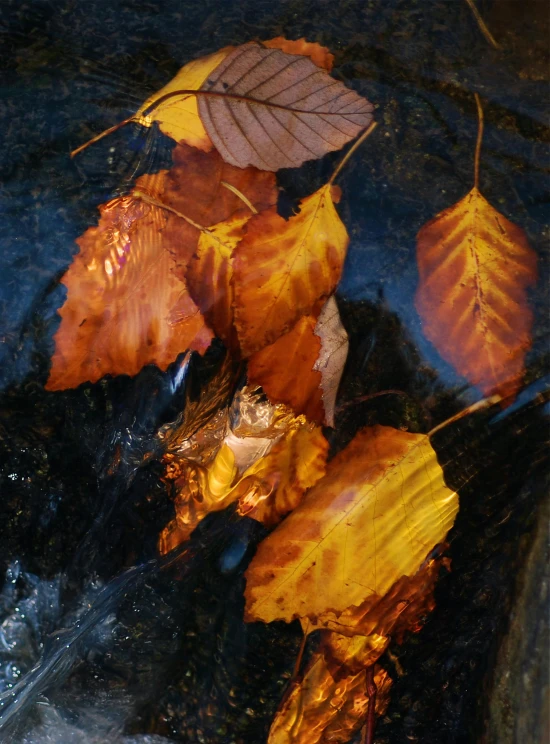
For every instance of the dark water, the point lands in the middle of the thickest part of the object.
(168, 655)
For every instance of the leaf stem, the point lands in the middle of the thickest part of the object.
(156, 203)
(482, 25)
(368, 731)
(101, 135)
(372, 126)
(481, 405)
(479, 138)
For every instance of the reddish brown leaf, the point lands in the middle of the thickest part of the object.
(125, 307)
(318, 54)
(275, 110)
(475, 267)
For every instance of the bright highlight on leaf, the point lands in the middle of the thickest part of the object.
(125, 307)
(283, 267)
(382, 506)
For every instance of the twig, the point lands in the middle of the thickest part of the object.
(241, 196)
(350, 152)
(479, 406)
(363, 398)
(101, 135)
(368, 730)
(479, 138)
(482, 25)
(156, 203)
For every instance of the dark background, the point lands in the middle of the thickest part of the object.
(72, 68)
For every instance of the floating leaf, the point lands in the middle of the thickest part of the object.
(274, 110)
(275, 484)
(125, 307)
(318, 54)
(282, 268)
(382, 506)
(178, 116)
(303, 368)
(475, 266)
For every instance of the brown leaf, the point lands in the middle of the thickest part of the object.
(125, 307)
(282, 268)
(194, 186)
(318, 54)
(333, 355)
(276, 110)
(381, 507)
(475, 266)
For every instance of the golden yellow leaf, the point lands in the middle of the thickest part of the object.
(475, 267)
(125, 307)
(275, 484)
(381, 507)
(283, 268)
(330, 703)
(178, 117)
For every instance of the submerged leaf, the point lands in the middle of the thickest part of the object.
(283, 268)
(475, 266)
(382, 506)
(178, 116)
(274, 110)
(125, 307)
(303, 368)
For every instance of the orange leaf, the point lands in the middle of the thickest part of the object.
(285, 370)
(381, 507)
(475, 266)
(209, 276)
(283, 268)
(325, 706)
(318, 54)
(125, 307)
(303, 368)
(275, 484)
(194, 186)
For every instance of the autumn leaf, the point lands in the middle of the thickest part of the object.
(209, 276)
(207, 191)
(318, 54)
(125, 307)
(178, 116)
(274, 110)
(282, 268)
(327, 707)
(303, 368)
(381, 507)
(475, 267)
(275, 484)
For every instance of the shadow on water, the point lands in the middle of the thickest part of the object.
(100, 639)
